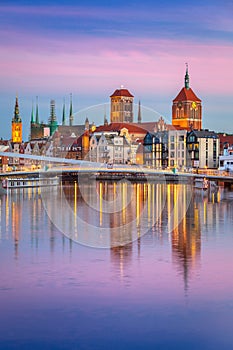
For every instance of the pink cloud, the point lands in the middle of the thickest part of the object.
(93, 63)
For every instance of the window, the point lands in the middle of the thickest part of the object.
(192, 138)
(172, 138)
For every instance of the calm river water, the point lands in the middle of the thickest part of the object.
(116, 266)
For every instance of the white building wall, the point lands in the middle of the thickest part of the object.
(206, 152)
(177, 148)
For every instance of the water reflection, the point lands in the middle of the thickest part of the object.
(186, 242)
(57, 284)
(126, 211)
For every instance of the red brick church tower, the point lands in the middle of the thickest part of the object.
(186, 108)
(121, 106)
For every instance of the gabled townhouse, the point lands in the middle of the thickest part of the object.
(107, 147)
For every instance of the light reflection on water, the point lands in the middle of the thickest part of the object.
(171, 286)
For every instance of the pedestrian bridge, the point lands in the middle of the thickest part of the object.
(73, 167)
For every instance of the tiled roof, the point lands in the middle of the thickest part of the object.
(186, 95)
(153, 126)
(147, 126)
(67, 130)
(132, 128)
(3, 142)
(225, 138)
(122, 92)
(204, 133)
(68, 141)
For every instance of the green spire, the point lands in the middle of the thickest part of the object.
(37, 111)
(186, 78)
(32, 115)
(64, 114)
(71, 118)
(16, 118)
(53, 119)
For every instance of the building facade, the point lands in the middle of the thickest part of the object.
(202, 149)
(187, 108)
(16, 125)
(177, 148)
(121, 106)
(153, 151)
(109, 148)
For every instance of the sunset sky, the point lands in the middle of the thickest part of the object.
(53, 48)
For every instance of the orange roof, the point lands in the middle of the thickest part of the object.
(122, 92)
(132, 128)
(151, 126)
(186, 95)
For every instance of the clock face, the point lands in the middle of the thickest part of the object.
(194, 105)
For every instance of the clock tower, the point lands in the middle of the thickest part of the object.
(16, 124)
(186, 108)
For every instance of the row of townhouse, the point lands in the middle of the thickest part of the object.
(35, 148)
(157, 145)
(109, 148)
(170, 147)
(182, 149)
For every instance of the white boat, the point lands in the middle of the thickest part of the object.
(10, 184)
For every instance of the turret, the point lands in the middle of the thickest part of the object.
(37, 111)
(32, 116)
(71, 118)
(53, 119)
(186, 78)
(64, 115)
(16, 124)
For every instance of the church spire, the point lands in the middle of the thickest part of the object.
(53, 119)
(71, 118)
(186, 78)
(32, 115)
(64, 114)
(37, 111)
(139, 112)
(17, 118)
(105, 116)
(16, 124)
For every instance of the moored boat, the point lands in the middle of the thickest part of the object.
(11, 184)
